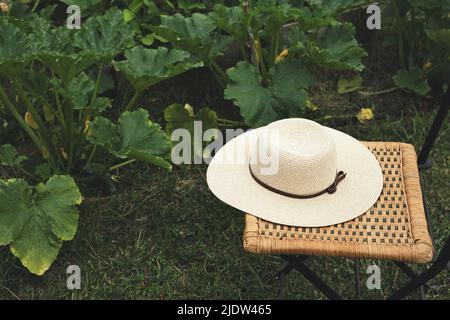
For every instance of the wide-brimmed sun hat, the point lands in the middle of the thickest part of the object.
(296, 172)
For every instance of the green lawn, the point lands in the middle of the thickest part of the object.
(165, 236)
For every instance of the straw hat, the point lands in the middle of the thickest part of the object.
(296, 172)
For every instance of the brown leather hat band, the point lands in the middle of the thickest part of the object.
(331, 189)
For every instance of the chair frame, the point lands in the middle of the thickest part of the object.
(440, 261)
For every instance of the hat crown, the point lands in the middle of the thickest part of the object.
(302, 157)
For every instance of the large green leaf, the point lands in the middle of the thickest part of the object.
(282, 96)
(35, 221)
(349, 85)
(104, 36)
(441, 37)
(178, 116)
(246, 91)
(13, 47)
(333, 48)
(288, 81)
(196, 34)
(232, 20)
(273, 17)
(267, 18)
(146, 67)
(199, 26)
(99, 105)
(430, 6)
(78, 90)
(68, 66)
(35, 82)
(134, 137)
(313, 18)
(9, 156)
(414, 80)
(54, 47)
(334, 6)
(47, 38)
(83, 4)
(102, 132)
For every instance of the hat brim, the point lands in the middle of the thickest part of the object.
(233, 184)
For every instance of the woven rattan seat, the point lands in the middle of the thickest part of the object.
(394, 228)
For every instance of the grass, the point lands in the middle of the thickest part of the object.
(165, 236)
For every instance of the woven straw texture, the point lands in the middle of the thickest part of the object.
(315, 166)
(394, 228)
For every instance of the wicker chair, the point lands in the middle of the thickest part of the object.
(396, 228)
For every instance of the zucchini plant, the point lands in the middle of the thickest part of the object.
(54, 84)
(421, 33)
(281, 45)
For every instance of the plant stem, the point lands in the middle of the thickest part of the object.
(59, 105)
(364, 93)
(57, 113)
(219, 70)
(8, 104)
(262, 65)
(45, 134)
(120, 165)
(243, 52)
(107, 166)
(70, 136)
(225, 125)
(91, 156)
(36, 4)
(27, 173)
(130, 106)
(97, 82)
(217, 77)
(277, 45)
(231, 122)
(400, 30)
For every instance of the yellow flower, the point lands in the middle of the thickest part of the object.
(283, 54)
(48, 114)
(189, 109)
(257, 44)
(311, 105)
(4, 6)
(256, 52)
(427, 65)
(365, 114)
(86, 128)
(63, 153)
(30, 121)
(45, 153)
